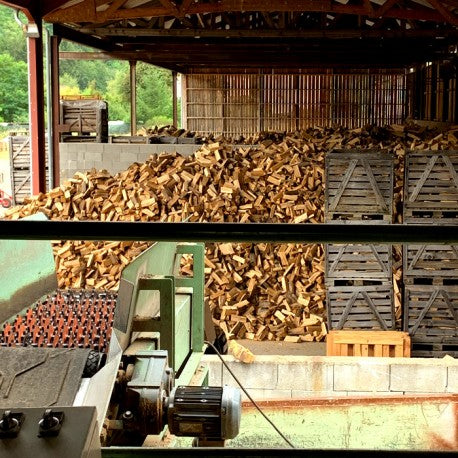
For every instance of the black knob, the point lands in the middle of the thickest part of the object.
(50, 423)
(10, 424)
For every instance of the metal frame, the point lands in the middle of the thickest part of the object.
(227, 232)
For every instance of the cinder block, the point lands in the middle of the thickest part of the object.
(261, 395)
(93, 156)
(314, 376)
(99, 165)
(128, 157)
(414, 378)
(143, 156)
(123, 165)
(88, 165)
(259, 375)
(114, 156)
(452, 379)
(92, 148)
(362, 375)
(305, 394)
(215, 373)
(72, 165)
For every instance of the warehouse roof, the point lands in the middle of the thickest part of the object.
(182, 34)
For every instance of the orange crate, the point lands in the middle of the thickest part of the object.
(368, 343)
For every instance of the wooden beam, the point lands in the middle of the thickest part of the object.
(78, 55)
(105, 44)
(86, 11)
(447, 14)
(171, 7)
(268, 33)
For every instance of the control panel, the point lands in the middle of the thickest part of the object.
(51, 432)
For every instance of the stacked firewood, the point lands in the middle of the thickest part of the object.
(263, 291)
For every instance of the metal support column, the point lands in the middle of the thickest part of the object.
(133, 97)
(55, 112)
(36, 106)
(174, 99)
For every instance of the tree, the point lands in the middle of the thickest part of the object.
(12, 39)
(154, 95)
(13, 89)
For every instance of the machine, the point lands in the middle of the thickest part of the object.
(81, 370)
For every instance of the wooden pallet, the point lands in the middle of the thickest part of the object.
(430, 264)
(359, 186)
(358, 262)
(431, 187)
(360, 307)
(368, 343)
(431, 317)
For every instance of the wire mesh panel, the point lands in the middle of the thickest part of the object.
(244, 104)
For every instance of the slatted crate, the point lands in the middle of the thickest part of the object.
(431, 319)
(87, 118)
(360, 307)
(359, 186)
(392, 344)
(430, 264)
(346, 264)
(20, 176)
(431, 187)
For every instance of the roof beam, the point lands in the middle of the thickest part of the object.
(447, 14)
(85, 39)
(86, 11)
(268, 33)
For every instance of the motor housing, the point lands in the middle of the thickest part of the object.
(209, 413)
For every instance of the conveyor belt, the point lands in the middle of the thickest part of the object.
(64, 319)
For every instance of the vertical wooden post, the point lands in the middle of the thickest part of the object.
(133, 97)
(36, 106)
(55, 112)
(174, 99)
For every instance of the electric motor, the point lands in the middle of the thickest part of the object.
(210, 413)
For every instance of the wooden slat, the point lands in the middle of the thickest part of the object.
(368, 343)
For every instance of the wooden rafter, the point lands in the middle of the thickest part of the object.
(86, 11)
(446, 13)
(270, 33)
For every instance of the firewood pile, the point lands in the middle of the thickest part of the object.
(256, 291)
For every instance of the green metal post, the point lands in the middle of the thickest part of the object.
(196, 282)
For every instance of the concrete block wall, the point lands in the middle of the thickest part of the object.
(299, 377)
(80, 157)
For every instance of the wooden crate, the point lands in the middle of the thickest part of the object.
(431, 187)
(84, 117)
(19, 151)
(431, 319)
(359, 186)
(353, 262)
(430, 264)
(368, 343)
(360, 307)
(20, 176)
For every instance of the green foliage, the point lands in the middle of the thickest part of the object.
(109, 79)
(12, 39)
(154, 95)
(13, 89)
